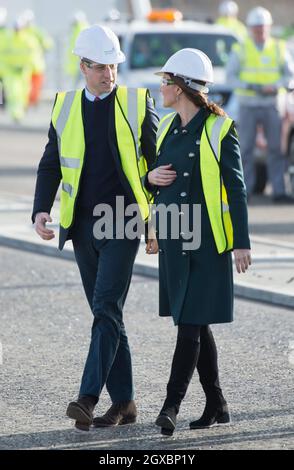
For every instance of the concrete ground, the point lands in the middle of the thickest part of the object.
(45, 325)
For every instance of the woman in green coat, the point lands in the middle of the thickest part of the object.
(199, 171)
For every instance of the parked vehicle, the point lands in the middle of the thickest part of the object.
(148, 45)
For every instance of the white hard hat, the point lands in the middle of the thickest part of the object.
(27, 16)
(259, 16)
(228, 9)
(18, 23)
(113, 15)
(190, 64)
(3, 16)
(79, 16)
(99, 44)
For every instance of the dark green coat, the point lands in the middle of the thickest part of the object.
(196, 287)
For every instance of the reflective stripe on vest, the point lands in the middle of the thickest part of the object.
(215, 129)
(260, 67)
(130, 110)
(68, 123)
(163, 128)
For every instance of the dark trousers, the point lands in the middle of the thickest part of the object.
(207, 367)
(106, 269)
(195, 347)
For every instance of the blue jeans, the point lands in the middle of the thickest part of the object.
(106, 269)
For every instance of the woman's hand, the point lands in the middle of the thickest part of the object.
(152, 244)
(162, 175)
(242, 260)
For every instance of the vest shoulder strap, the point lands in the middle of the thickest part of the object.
(130, 96)
(132, 102)
(163, 127)
(215, 129)
(62, 107)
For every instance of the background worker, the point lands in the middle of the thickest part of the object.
(228, 13)
(260, 69)
(79, 22)
(42, 44)
(18, 63)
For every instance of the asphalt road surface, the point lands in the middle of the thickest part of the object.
(44, 332)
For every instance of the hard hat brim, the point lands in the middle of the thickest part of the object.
(190, 63)
(120, 58)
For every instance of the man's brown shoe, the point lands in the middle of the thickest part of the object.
(119, 413)
(82, 409)
(81, 427)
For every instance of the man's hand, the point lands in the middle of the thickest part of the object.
(242, 260)
(40, 226)
(162, 176)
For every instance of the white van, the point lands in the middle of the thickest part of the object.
(148, 45)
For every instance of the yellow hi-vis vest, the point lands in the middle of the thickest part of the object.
(215, 129)
(234, 25)
(129, 110)
(260, 67)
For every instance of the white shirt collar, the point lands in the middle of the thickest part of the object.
(92, 97)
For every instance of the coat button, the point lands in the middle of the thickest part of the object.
(160, 250)
(184, 131)
(176, 131)
(157, 192)
(186, 174)
(181, 213)
(191, 155)
(183, 194)
(184, 253)
(198, 142)
(158, 153)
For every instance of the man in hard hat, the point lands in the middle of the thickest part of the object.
(18, 64)
(102, 140)
(228, 12)
(42, 44)
(260, 69)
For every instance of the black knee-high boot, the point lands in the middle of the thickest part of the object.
(183, 365)
(216, 409)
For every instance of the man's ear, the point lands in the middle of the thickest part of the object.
(82, 68)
